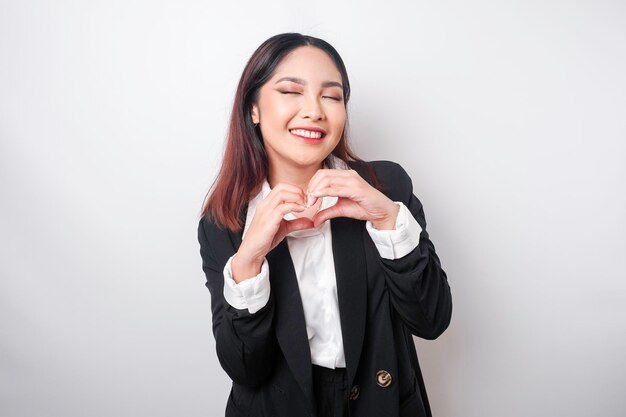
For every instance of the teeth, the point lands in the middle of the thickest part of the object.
(307, 133)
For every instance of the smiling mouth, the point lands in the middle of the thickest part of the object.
(307, 134)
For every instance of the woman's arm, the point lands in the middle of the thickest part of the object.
(418, 286)
(245, 342)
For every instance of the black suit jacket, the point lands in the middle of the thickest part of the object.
(381, 302)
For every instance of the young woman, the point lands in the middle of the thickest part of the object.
(319, 265)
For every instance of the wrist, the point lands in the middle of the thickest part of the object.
(244, 255)
(388, 222)
(244, 267)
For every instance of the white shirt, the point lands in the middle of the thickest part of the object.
(312, 257)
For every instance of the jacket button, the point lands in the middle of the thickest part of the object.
(354, 392)
(383, 378)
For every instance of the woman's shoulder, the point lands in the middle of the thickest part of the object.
(394, 178)
(382, 167)
(210, 230)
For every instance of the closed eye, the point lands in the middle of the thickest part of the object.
(295, 92)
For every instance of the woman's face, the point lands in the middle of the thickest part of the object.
(300, 102)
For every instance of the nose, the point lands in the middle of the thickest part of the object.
(312, 109)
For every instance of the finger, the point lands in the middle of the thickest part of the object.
(335, 191)
(343, 182)
(327, 214)
(298, 224)
(288, 226)
(332, 186)
(282, 188)
(322, 176)
(274, 217)
(285, 208)
(285, 196)
(343, 208)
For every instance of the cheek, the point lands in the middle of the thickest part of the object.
(339, 119)
(279, 111)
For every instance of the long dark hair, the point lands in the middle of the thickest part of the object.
(245, 164)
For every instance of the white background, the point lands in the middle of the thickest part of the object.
(510, 117)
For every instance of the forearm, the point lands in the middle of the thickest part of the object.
(245, 341)
(418, 285)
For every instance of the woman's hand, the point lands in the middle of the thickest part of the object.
(356, 198)
(268, 229)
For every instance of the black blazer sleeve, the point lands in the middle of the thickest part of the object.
(418, 286)
(245, 342)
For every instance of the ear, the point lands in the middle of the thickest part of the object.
(254, 113)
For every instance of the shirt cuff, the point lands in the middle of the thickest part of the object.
(394, 244)
(252, 293)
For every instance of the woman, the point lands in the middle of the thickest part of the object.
(318, 263)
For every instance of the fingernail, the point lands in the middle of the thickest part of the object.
(310, 200)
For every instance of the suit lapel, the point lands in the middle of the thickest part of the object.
(351, 273)
(289, 318)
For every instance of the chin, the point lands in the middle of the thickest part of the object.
(307, 161)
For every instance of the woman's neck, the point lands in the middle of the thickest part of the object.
(298, 176)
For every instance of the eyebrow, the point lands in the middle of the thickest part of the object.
(303, 82)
